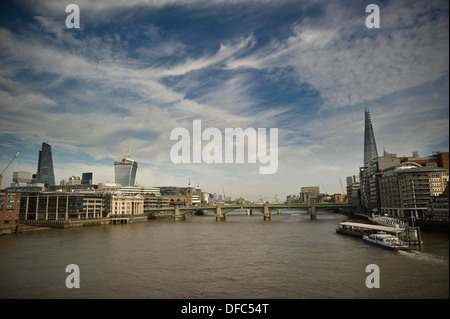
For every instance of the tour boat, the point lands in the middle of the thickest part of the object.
(384, 240)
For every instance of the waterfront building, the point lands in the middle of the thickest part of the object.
(369, 175)
(156, 202)
(406, 189)
(125, 171)
(45, 173)
(126, 205)
(9, 208)
(438, 206)
(78, 205)
(61, 206)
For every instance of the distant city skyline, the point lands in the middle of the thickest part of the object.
(132, 73)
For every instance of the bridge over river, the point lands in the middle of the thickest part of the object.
(179, 212)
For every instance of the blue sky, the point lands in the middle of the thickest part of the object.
(135, 70)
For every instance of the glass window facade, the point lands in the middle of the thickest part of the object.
(45, 173)
(125, 172)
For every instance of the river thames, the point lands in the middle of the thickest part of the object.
(289, 257)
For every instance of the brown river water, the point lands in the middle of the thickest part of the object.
(289, 257)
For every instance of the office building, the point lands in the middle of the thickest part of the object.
(438, 206)
(45, 173)
(407, 188)
(21, 178)
(87, 178)
(61, 206)
(124, 205)
(125, 171)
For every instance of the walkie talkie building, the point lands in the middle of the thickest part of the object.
(125, 171)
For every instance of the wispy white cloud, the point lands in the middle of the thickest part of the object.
(350, 64)
(225, 52)
(90, 91)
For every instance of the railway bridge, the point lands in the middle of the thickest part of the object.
(179, 212)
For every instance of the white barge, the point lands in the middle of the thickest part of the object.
(359, 229)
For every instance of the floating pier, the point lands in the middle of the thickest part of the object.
(410, 235)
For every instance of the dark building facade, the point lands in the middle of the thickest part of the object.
(45, 173)
(87, 178)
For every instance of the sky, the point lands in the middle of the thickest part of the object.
(136, 70)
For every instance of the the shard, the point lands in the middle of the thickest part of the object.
(370, 146)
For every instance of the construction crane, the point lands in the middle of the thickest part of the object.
(320, 183)
(341, 186)
(1, 174)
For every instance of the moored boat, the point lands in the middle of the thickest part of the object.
(359, 230)
(384, 240)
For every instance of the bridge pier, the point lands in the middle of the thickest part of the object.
(266, 212)
(219, 215)
(177, 216)
(313, 215)
(249, 212)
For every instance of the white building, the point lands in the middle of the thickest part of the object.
(126, 205)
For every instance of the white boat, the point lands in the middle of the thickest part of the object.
(384, 240)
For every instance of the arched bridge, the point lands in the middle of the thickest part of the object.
(266, 209)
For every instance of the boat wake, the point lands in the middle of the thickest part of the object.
(427, 257)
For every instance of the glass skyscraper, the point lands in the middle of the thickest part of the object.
(45, 173)
(370, 197)
(370, 146)
(125, 171)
